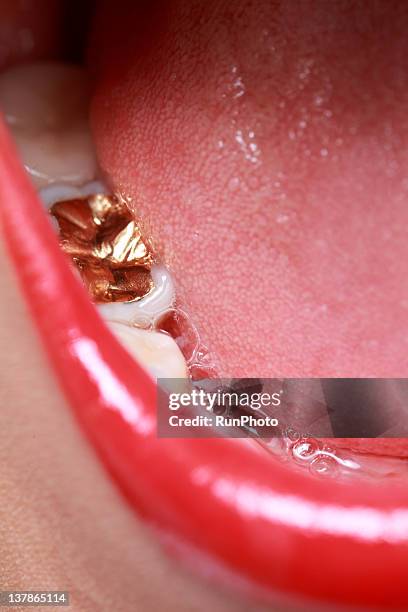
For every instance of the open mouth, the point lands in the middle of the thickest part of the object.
(191, 209)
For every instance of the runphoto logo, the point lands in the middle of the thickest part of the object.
(266, 407)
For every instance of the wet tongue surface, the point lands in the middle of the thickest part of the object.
(266, 147)
(269, 157)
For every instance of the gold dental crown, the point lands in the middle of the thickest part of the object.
(105, 243)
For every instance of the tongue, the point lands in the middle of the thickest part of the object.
(266, 148)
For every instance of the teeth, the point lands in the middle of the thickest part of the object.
(59, 192)
(156, 351)
(46, 108)
(144, 312)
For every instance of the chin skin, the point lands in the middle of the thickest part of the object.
(266, 148)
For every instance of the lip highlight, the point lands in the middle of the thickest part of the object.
(284, 532)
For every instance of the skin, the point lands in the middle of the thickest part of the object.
(329, 280)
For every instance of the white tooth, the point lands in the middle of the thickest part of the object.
(59, 192)
(94, 187)
(153, 305)
(46, 107)
(57, 157)
(156, 351)
(44, 95)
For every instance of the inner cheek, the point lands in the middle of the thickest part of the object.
(30, 31)
(272, 175)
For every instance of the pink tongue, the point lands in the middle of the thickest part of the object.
(267, 147)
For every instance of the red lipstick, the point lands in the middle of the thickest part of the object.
(282, 531)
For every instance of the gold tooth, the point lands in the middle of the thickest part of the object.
(105, 243)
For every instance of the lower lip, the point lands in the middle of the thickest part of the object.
(392, 447)
(278, 529)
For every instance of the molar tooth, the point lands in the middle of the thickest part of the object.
(156, 351)
(57, 157)
(94, 188)
(44, 95)
(157, 302)
(46, 107)
(58, 192)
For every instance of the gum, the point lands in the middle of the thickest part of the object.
(178, 324)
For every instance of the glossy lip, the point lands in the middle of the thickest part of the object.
(281, 530)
